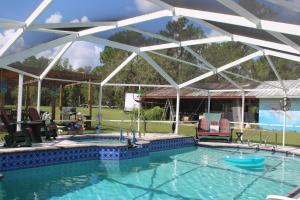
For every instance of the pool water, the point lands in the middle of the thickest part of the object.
(187, 173)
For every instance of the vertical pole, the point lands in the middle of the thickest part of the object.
(243, 112)
(90, 98)
(177, 111)
(27, 98)
(53, 107)
(38, 102)
(284, 120)
(100, 105)
(20, 95)
(208, 107)
(139, 111)
(61, 99)
(208, 103)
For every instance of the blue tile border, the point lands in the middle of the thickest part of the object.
(21, 160)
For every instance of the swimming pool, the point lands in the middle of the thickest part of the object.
(99, 140)
(185, 173)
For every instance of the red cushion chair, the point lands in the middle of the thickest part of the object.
(203, 130)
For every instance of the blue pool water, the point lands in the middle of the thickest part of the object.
(187, 173)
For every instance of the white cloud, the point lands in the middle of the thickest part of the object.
(83, 19)
(146, 6)
(54, 18)
(83, 54)
(6, 35)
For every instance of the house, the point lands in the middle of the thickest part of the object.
(263, 102)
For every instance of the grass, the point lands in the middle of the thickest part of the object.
(292, 138)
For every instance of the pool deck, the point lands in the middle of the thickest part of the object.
(66, 141)
(287, 149)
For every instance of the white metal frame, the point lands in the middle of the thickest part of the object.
(288, 49)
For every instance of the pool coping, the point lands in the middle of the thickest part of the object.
(55, 144)
(288, 150)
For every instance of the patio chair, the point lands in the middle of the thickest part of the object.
(46, 130)
(15, 138)
(203, 128)
(204, 131)
(225, 130)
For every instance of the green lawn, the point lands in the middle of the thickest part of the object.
(292, 138)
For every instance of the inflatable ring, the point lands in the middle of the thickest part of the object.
(245, 160)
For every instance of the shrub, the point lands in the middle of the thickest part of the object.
(153, 113)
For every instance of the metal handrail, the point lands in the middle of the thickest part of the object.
(269, 135)
(250, 138)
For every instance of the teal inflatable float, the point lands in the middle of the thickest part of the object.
(245, 160)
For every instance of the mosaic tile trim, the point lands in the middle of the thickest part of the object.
(50, 157)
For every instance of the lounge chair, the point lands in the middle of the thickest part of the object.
(204, 131)
(15, 138)
(46, 130)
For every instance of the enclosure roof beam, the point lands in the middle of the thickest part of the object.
(164, 74)
(220, 69)
(238, 20)
(118, 69)
(36, 49)
(276, 73)
(204, 67)
(180, 60)
(209, 40)
(288, 4)
(212, 68)
(199, 58)
(110, 43)
(282, 55)
(137, 85)
(126, 22)
(218, 39)
(248, 15)
(18, 71)
(8, 23)
(39, 10)
(252, 79)
(69, 81)
(55, 60)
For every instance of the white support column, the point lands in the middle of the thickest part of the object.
(39, 92)
(100, 105)
(243, 112)
(208, 103)
(284, 128)
(284, 120)
(20, 95)
(177, 111)
(139, 112)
